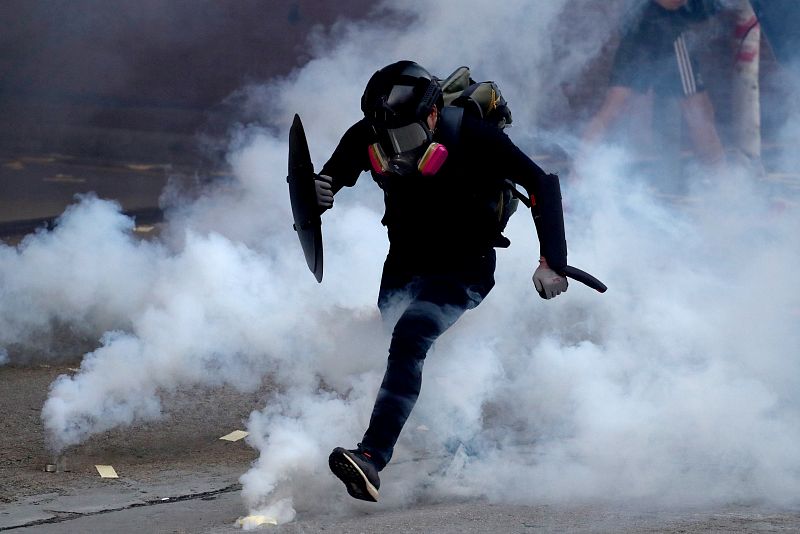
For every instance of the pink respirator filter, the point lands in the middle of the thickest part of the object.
(433, 159)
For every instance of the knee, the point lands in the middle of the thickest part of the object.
(415, 332)
(409, 345)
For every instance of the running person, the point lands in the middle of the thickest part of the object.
(439, 176)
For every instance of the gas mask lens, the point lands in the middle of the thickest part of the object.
(406, 138)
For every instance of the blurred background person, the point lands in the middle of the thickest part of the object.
(653, 63)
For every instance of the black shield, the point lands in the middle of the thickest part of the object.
(303, 197)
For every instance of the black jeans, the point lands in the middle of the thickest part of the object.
(428, 302)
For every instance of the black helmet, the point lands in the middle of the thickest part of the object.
(399, 94)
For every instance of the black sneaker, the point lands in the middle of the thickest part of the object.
(356, 470)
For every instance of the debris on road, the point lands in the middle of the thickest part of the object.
(106, 471)
(252, 521)
(236, 435)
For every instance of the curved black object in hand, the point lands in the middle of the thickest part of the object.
(584, 278)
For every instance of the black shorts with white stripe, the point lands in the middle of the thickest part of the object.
(644, 62)
(691, 82)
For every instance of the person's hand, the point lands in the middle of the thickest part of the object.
(322, 186)
(547, 282)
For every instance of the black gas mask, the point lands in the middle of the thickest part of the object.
(397, 103)
(406, 150)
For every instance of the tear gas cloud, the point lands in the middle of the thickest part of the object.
(678, 385)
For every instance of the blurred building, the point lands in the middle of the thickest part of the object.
(97, 89)
(116, 78)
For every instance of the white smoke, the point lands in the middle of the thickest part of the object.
(211, 311)
(89, 272)
(679, 384)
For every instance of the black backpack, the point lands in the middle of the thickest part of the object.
(479, 99)
(463, 95)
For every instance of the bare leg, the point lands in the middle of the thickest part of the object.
(698, 112)
(641, 124)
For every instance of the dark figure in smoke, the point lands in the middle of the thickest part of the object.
(442, 172)
(653, 58)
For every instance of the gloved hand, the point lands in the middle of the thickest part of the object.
(322, 186)
(547, 282)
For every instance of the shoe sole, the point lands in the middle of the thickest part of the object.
(356, 482)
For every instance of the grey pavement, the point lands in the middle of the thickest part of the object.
(210, 502)
(217, 512)
(98, 505)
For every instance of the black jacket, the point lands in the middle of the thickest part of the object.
(450, 216)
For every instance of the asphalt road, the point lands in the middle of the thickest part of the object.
(218, 513)
(176, 476)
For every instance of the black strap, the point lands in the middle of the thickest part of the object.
(519, 195)
(449, 127)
